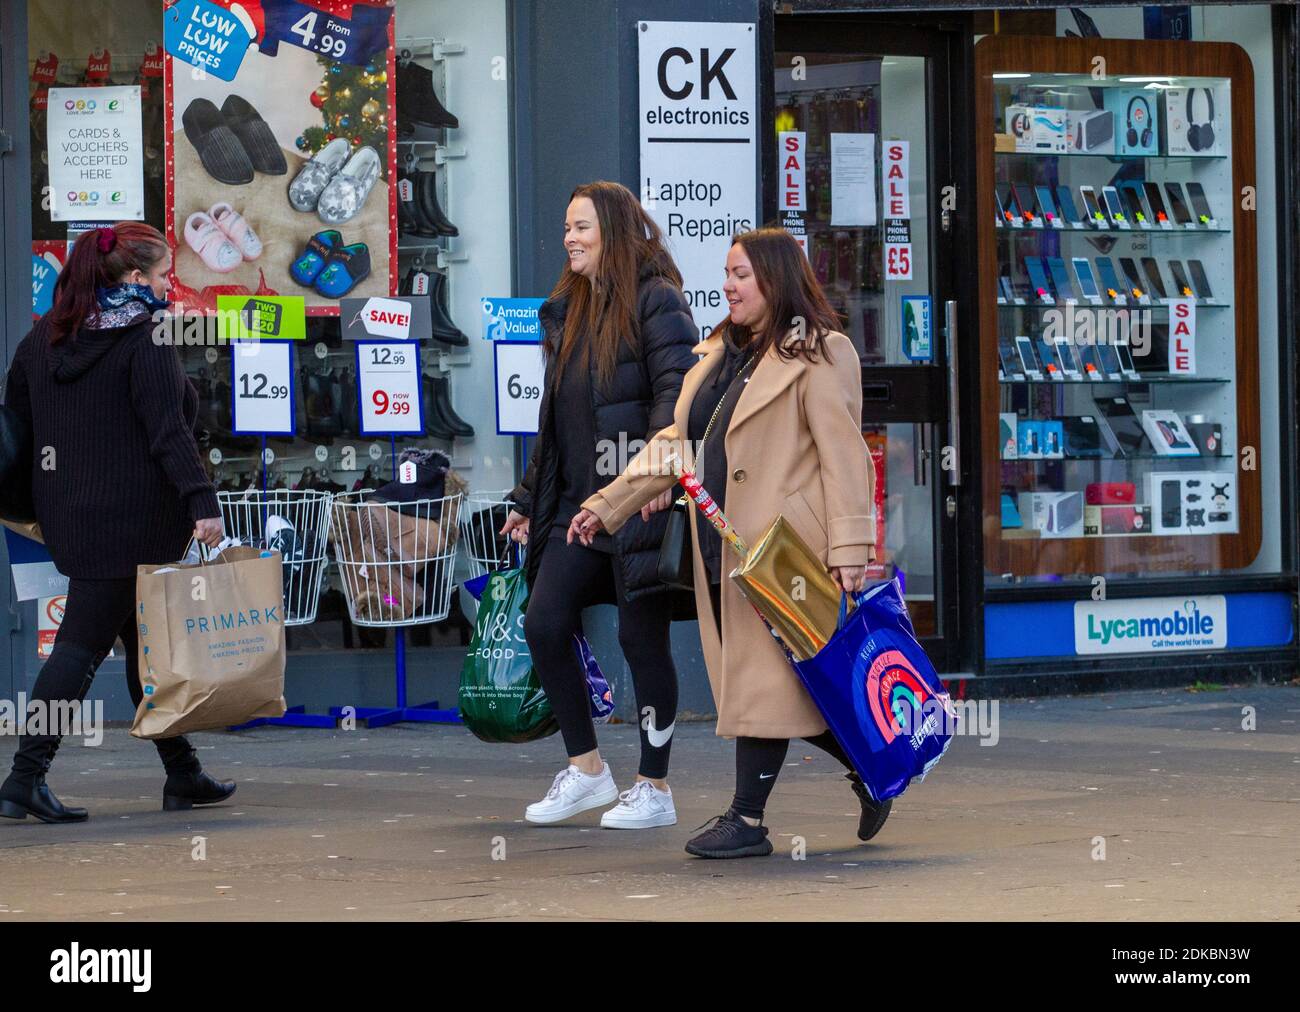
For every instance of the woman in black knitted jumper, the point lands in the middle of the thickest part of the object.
(116, 481)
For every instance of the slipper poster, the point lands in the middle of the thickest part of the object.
(281, 150)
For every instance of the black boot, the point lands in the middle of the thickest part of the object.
(443, 329)
(185, 790)
(873, 814)
(445, 413)
(417, 102)
(25, 791)
(433, 424)
(426, 195)
(730, 836)
(411, 218)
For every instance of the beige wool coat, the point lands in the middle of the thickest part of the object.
(794, 447)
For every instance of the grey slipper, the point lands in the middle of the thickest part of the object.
(345, 194)
(309, 184)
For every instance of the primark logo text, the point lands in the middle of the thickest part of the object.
(224, 621)
(75, 965)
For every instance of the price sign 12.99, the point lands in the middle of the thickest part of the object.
(388, 374)
(262, 387)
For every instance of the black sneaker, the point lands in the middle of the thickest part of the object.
(873, 814)
(730, 836)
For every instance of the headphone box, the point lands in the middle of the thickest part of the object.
(1091, 130)
(1137, 114)
(1195, 128)
(1037, 128)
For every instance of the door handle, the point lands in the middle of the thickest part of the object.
(919, 454)
(954, 405)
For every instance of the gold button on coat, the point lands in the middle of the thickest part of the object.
(738, 474)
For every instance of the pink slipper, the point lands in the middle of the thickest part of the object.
(211, 244)
(240, 232)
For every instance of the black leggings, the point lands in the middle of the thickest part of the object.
(569, 578)
(97, 612)
(758, 760)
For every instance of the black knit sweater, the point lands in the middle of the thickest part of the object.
(116, 477)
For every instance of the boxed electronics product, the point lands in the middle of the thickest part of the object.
(1029, 439)
(1193, 502)
(1007, 426)
(1137, 130)
(1053, 438)
(1037, 128)
(1098, 520)
(1053, 514)
(1091, 131)
(1010, 515)
(1207, 435)
(1111, 493)
(1168, 435)
(1192, 123)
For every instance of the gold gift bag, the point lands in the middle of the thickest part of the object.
(785, 580)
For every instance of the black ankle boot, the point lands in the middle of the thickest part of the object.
(185, 790)
(19, 800)
(426, 196)
(873, 814)
(417, 102)
(444, 413)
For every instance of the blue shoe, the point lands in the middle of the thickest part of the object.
(311, 262)
(347, 267)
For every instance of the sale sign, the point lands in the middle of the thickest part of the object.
(388, 377)
(898, 211)
(1182, 336)
(791, 146)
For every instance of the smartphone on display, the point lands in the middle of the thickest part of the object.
(1038, 279)
(1156, 201)
(1109, 280)
(1125, 424)
(1114, 206)
(1196, 193)
(1004, 288)
(1177, 206)
(1065, 354)
(1181, 284)
(1152, 270)
(1171, 503)
(1066, 203)
(1131, 194)
(1049, 353)
(1091, 362)
(1087, 282)
(1028, 359)
(1200, 280)
(1024, 198)
(1046, 205)
(1082, 436)
(1124, 355)
(1006, 203)
(1108, 356)
(1135, 283)
(1091, 206)
(1011, 365)
(1061, 279)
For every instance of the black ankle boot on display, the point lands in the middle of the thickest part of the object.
(433, 424)
(444, 412)
(873, 814)
(411, 219)
(417, 102)
(426, 196)
(730, 836)
(185, 790)
(443, 329)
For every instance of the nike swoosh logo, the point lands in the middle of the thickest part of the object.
(659, 738)
(766, 776)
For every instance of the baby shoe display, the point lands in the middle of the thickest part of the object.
(211, 244)
(240, 233)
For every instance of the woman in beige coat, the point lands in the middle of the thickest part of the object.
(770, 420)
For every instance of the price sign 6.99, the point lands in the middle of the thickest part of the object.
(262, 387)
(388, 375)
(520, 372)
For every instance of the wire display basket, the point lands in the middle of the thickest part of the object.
(397, 560)
(487, 551)
(294, 523)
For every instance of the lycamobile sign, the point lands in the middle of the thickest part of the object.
(1146, 625)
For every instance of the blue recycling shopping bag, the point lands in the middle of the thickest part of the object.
(879, 693)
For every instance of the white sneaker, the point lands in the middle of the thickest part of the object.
(645, 806)
(572, 792)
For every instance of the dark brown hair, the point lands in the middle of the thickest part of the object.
(792, 292)
(606, 314)
(100, 258)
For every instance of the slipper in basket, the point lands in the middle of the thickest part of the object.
(211, 244)
(237, 230)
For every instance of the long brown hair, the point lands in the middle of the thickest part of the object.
(629, 241)
(100, 258)
(792, 292)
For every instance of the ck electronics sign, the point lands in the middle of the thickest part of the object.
(699, 101)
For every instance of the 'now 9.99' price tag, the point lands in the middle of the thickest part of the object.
(262, 387)
(388, 375)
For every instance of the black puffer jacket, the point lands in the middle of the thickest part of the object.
(637, 403)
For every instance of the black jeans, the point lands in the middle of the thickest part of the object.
(759, 760)
(568, 579)
(97, 612)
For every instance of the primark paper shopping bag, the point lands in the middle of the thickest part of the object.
(880, 695)
(212, 647)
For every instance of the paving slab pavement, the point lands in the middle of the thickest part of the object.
(1196, 818)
